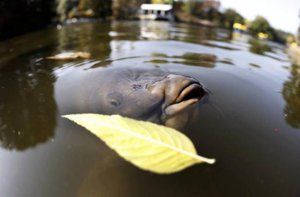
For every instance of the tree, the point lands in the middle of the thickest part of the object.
(230, 17)
(83, 8)
(260, 24)
(282, 37)
(126, 9)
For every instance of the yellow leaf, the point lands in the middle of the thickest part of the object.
(147, 145)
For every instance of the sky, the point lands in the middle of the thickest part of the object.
(282, 14)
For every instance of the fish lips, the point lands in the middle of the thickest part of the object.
(188, 96)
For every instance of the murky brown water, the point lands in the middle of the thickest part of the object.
(250, 123)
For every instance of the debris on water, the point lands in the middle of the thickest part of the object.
(226, 61)
(255, 65)
(70, 56)
(286, 67)
(158, 61)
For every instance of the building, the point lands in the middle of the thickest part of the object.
(156, 12)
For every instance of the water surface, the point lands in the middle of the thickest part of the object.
(250, 122)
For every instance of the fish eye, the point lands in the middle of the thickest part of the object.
(114, 102)
(115, 99)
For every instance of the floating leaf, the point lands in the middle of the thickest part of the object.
(70, 56)
(147, 145)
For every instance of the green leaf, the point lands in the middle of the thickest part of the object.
(147, 145)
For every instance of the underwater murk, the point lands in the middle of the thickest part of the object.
(249, 122)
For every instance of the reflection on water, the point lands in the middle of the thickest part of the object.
(73, 38)
(27, 107)
(226, 61)
(258, 47)
(256, 148)
(291, 94)
(192, 59)
(255, 65)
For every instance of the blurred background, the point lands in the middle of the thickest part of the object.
(274, 20)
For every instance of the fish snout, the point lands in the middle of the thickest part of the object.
(179, 94)
(182, 92)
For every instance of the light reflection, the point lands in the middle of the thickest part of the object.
(291, 94)
(27, 108)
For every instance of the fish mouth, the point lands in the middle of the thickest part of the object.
(178, 93)
(188, 95)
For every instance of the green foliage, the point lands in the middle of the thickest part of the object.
(229, 17)
(281, 36)
(126, 9)
(213, 15)
(225, 20)
(83, 8)
(100, 8)
(260, 24)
